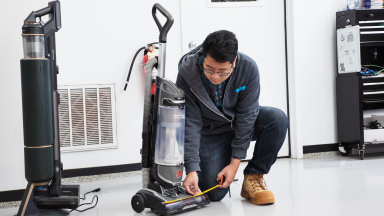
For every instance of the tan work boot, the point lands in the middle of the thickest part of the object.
(255, 188)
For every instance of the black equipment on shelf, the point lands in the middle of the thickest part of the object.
(356, 93)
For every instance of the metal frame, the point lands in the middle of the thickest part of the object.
(287, 82)
(257, 3)
(295, 144)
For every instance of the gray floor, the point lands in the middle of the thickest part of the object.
(327, 185)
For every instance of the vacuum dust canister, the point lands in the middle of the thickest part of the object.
(33, 41)
(170, 125)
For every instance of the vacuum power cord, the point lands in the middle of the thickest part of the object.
(130, 68)
(96, 190)
(83, 198)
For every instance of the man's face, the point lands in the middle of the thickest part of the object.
(217, 72)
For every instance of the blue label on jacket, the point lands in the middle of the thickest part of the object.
(239, 89)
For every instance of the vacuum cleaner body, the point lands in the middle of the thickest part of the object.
(168, 133)
(167, 126)
(40, 101)
(163, 134)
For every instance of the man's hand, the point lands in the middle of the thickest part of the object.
(229, 172)
(191, 183)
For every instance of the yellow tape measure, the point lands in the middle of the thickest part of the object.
(206, 191)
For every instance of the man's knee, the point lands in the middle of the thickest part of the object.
(217, 194)
(278, 117)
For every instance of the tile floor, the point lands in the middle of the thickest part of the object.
(327, 185)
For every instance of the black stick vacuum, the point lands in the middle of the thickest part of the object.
(163, 135)
(44, 194)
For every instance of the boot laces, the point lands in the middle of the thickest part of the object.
(258, 181)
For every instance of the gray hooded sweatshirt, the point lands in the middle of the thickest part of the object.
(240, 106)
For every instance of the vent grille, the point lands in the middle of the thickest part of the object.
(64, 124)
(77, 117)
(92, 116)
(86, 117)
(106, 116)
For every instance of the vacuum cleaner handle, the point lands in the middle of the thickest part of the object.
(163, 29)
(54, 23)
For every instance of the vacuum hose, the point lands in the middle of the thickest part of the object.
(130, 69)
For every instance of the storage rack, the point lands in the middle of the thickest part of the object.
(356, 93)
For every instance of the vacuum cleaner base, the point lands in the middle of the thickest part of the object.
(37, 202)
(147, 198)
(51, 212)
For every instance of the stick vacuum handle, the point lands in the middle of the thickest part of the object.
(43, 11)
(163, 29)
(54, 23)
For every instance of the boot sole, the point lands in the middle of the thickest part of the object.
(264, 201)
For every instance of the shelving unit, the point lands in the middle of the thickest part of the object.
(361, 98)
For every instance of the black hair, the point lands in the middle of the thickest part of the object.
(221, 46)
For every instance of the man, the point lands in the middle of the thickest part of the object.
(222, 88)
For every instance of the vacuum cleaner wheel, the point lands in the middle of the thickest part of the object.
(138, 203)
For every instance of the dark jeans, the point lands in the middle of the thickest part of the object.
(216, 151)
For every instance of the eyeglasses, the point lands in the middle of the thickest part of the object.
(218, 73)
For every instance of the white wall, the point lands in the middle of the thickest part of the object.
(97, 43)
(95, 46)
(312, 72)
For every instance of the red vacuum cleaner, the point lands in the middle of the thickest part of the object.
(163, 133)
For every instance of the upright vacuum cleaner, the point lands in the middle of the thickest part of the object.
(44, 194)
(163, 134)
